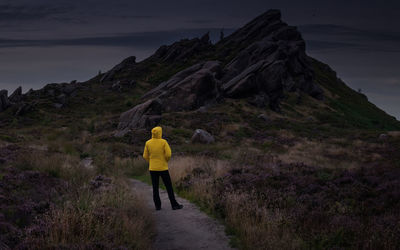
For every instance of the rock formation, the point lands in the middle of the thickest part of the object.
(4, 102)
(263, 60)
(145, 115)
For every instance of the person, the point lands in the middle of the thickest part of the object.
(157, 153)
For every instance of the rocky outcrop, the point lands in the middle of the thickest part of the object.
(16, 96)
(189, 89)
(145, 115)
(273, 63)
(127, 63)
(4, 102)
(262, 61)
(202, 136)
(183, 50)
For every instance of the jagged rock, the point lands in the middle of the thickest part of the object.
(272, 61)
(16, 96)
(182, 50)
(4, 102)
(189, 89)
(202, 136)
(145, 115)
(128, 62)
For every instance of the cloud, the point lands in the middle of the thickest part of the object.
(330, 36)
(138, 39)
(12, 12)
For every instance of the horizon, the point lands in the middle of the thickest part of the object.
(33, 55)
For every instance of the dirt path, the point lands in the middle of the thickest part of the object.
(188, 228)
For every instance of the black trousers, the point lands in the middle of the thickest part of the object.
(167, 182)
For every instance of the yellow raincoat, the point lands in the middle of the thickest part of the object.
(157, 151)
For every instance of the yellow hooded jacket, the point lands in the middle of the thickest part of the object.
(157, 151)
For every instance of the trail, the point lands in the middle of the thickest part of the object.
(187, 228)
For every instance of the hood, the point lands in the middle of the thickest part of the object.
(156, 133)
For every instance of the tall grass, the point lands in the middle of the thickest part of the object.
(86, 217)
(113, 219)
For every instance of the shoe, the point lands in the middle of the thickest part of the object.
(179, 206)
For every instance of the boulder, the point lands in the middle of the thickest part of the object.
(383, 137)
(145, 115)
(202, 136)
(16, 96)
(4, 102)
(189, 89)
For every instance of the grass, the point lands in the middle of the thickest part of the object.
(111, 217)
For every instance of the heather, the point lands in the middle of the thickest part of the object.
(270, 204)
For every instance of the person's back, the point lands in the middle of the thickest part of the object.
(157, 152)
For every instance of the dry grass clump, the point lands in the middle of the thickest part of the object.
(114, 218)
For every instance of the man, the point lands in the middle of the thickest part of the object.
(157, 153)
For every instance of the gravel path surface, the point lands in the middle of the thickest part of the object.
(187, 228)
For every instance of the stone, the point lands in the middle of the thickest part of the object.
(16, 96)
(126, 63)
(4, 102)
(202, 136)
(189, 89)
(145, 115)
(383, 137)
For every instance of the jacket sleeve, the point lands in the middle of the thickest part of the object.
(146, 155)
(167, 151)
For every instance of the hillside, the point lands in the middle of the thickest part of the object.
(283, 134)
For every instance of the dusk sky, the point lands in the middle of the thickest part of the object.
(45, 41)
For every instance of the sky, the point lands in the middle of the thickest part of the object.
(46, 41)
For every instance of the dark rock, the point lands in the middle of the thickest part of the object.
(16, 96)
(182, 50)
(69, 89)
(145, 115)
(202, 136)
(62, 99)
(4, 102)
(189, 89)
(127, 63)
(24, 108)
